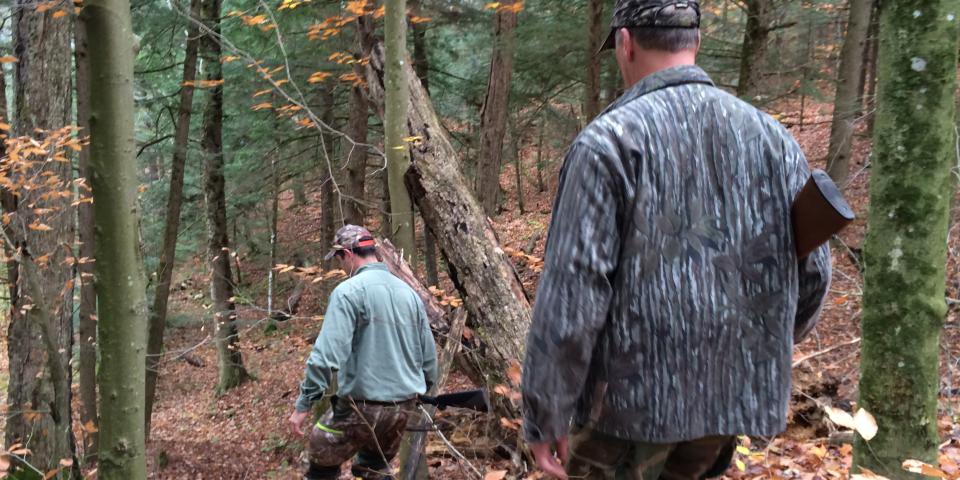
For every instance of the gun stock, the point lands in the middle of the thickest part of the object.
(477, 400)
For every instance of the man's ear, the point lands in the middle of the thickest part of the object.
(625, 43)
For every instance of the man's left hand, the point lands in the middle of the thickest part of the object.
(296, 422)
(546, 461)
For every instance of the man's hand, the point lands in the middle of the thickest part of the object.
(296, 422)
(546, 461)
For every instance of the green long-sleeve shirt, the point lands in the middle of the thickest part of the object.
(376, 336)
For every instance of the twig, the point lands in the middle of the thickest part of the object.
(825, 351)
(450, 446)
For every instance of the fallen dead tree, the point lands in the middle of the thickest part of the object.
(499, 311)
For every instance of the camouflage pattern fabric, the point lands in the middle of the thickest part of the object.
(596, 456)
(671, 295)
(373, 431)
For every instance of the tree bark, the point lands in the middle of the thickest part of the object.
(421, 65)
(870, 83)
(87, 325)
(168, 252)
(119, 267)
(481, 271)
(759, 13)
(847, 104)
(514, 142)
(398, 160)
(494, 113)
(232, 372)
(40, 332)
(354, 210)
(911, 190)
(591, 90)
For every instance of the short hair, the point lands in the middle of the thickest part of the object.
(665, 39)
(370, 251)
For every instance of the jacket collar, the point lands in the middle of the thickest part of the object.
(668, 77)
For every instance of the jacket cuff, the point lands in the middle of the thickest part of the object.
(303, 404)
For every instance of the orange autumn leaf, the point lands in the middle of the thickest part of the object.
(8, 59)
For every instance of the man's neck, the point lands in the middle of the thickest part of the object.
(363, 262)
(657, 61)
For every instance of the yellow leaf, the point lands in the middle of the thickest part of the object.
(495, 475)
(229, 58)
(741, 466)
(89, 427)
(43, 7)
(415, 19)
(865, 425)
(743, 450)
(40, 227)
(492, 6)
(839, 417)
(514, 373)
(59, 14)
(8, 59)
(262, 92)
(261, 106)
(916, 466)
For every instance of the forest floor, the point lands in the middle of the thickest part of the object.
(243, 434)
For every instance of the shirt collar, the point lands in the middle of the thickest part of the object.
(370, 267)
(667, 77)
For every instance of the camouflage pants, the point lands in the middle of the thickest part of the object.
(372, 431)
(597, 456)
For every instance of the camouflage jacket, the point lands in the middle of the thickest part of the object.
(671, 296)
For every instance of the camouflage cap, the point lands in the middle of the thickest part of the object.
(652, 13)
(350, 237)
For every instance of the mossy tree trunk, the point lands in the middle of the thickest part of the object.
(911, 189)
(119, 267)
(591, 89)
(754, 49)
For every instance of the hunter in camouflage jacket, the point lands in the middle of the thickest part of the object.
(672, 295)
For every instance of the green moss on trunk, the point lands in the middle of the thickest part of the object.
(905, 252)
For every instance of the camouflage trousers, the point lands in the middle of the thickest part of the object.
(597, 456)
(371, 431)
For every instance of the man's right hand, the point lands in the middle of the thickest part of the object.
(296, 422)
(546, 461)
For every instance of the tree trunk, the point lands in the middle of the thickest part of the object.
(870, 83)
(846, 106)
(540, 185)
(87, 328)
(494, 113)
(119, 267)
(274, 220)
(481, 271)
(354, 210)
(421, 65)
(232, 372)
(398, 160)
(40, 332)
(591, 90)
(168, 252)
(911, 190)
(754, 51)
(514, 142)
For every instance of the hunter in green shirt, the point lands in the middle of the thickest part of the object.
(376, 338)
